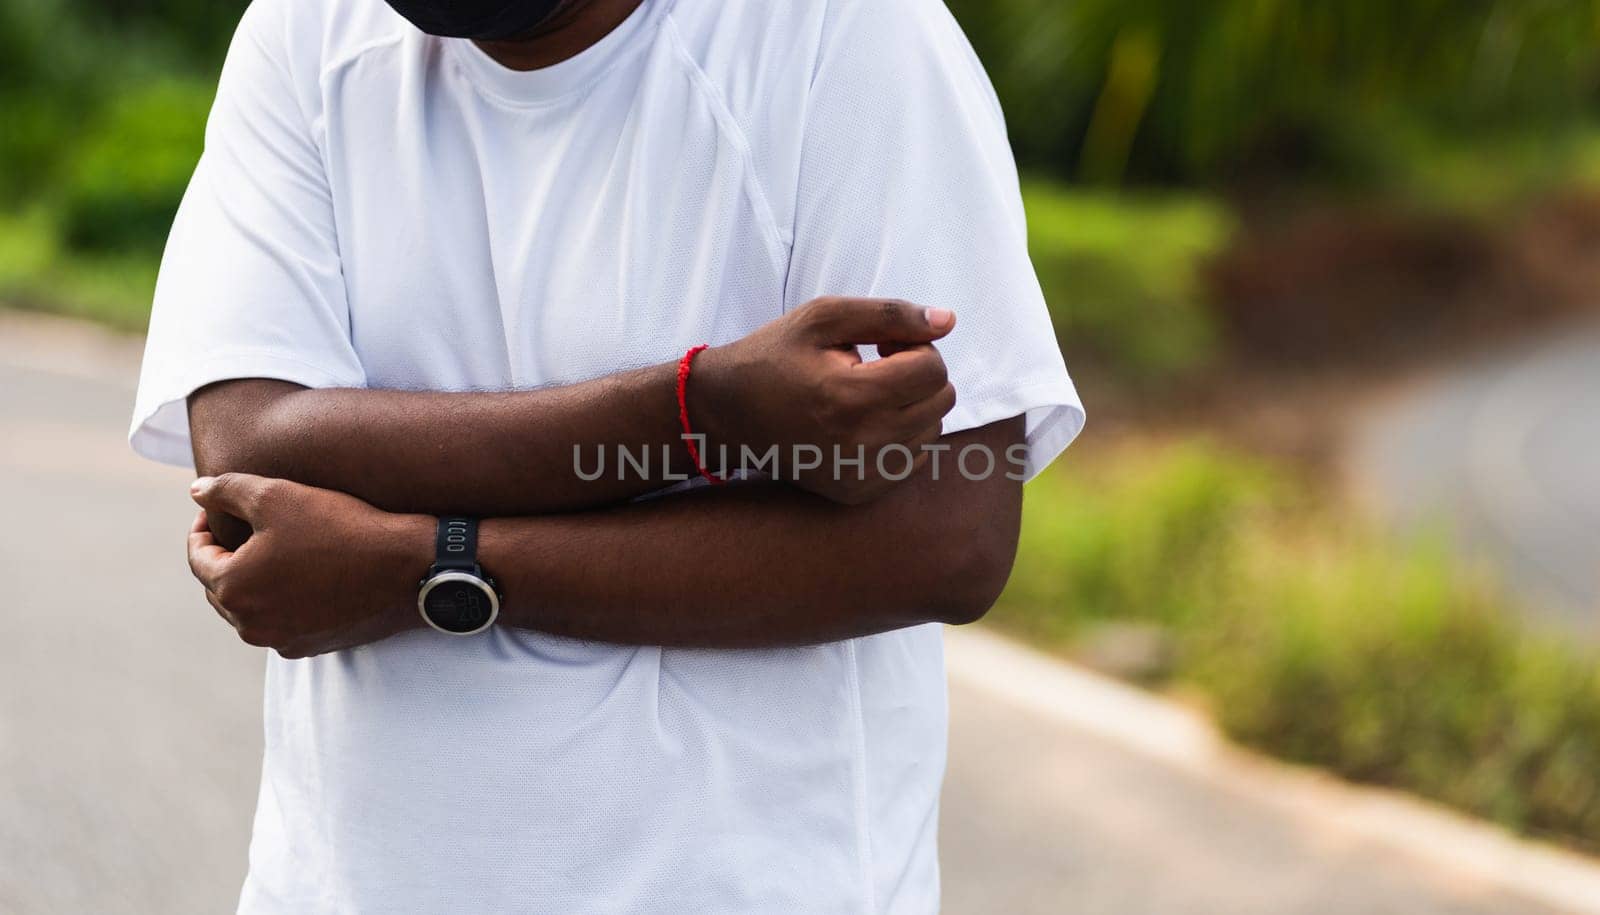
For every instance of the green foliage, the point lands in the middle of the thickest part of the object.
(1314, 641)
(59, 70)
(1090, 548)
(1122, 276)
(1419, 681)
(129, 173)
(1176, 90)
(196, 30)
(38, 95)
(36, 273)
(104, 109)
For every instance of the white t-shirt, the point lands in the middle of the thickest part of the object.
(376, 207)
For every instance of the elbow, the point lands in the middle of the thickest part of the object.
(213, 458)
(231, 427)
(234, 451)
(972, 586)
(973, 571)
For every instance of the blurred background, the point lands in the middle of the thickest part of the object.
(1327, 275)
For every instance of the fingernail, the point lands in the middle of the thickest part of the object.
(199, 486)
(939, 317)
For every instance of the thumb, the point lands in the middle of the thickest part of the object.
(852, 321)
(236, 494)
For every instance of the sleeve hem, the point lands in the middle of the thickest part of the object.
(160, 429)
(1054, 417)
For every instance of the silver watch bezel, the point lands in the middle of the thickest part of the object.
(457, 575)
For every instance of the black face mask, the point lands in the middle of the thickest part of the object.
(486, 20)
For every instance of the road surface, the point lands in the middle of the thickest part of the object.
(130, 723)
(1503, 456)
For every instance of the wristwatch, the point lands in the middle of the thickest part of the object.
(457, 598)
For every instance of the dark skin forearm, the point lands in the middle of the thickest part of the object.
(759, 565)
(765, 565)
(474, 453)
(339, 486)
(797, 379)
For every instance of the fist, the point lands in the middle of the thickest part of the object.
(800, 381)
(320, 571)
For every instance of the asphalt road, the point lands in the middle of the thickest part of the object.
(1502, 456)
(130, 723)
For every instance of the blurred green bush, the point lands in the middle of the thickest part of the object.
(37, 272)
(42, 94)
(193, 32)
(1312, 639)
(1122, 275)
(126, 176)
(1250, 90)
(104, 112)
(1143, 537)
(1391, 669)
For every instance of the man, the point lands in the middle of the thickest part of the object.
(439, 256)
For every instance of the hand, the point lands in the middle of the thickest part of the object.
(321, 570)
(798, 380)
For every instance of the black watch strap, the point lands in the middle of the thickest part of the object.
(457, 598)
(456, 548)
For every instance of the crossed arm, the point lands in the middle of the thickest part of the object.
(760, 564)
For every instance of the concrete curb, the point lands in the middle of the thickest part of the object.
(1183, 739)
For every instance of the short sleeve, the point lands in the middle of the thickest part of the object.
(908, 189)
(250, 284)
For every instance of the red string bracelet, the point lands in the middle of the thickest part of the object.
(683, 411)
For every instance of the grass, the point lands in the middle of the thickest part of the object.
(1312, 638)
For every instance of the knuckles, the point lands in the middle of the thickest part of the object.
(824, 312)
(255, 495)
(893, 311)
(819, 312)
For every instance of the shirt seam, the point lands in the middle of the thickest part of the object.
(456, 52)
(318, 124)
(576, 93)
(735, 136)
(318, 127)
(355, 54)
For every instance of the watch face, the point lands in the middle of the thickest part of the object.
(459, 603)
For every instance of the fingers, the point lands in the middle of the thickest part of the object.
(842, 321)
(207, 558)
(927, 414)
(250, 636)
(920, 424)
(242, 495)
(907, 376)
(210, 561)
